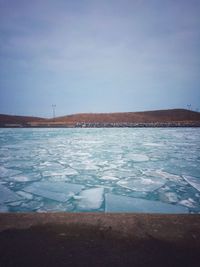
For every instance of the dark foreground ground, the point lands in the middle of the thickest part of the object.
(93, 239)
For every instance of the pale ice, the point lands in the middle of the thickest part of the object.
(116, 169)
(90, 199)
(116, 203)
(6, 195)
(142, 183)
(194, 181)
(58, 191)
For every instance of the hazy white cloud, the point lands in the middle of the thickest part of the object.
(99, 55)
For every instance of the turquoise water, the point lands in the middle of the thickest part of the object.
(105, 170)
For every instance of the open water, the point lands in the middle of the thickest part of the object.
(155, 170)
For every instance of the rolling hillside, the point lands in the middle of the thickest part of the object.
(157, 116)
(133, 117)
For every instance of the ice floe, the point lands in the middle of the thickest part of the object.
(55, 207)
(26, 177)
(162, 174)
(60, 172)
(6, 195)
(145, 184)
(4, 172)
(138, 157)
(168, 175)
(85, 165)
(25, 195)
(58, 191)
(190, 203)
(32, 205)
(193, 181)
(154, 144)
(109, 177)
(149, 164)
(116, 203)
(91, 199)
(170, 197)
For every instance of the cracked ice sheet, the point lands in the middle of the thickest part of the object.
(6, 195)
(138, 157)
(58, 191)
(116, 203)
(108, 177)
(63, 172)
(193, 181)
(91, 199)
(163, 175)
(144, 184)
(26, 177)
(4, 172)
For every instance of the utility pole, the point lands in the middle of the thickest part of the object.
(54, 111)
(189, 106)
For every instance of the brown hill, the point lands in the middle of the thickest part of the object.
(132, 117)
(11, 119)
(157, 116)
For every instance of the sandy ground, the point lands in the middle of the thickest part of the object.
(94, 239)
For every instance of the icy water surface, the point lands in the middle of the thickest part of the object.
(105, 170)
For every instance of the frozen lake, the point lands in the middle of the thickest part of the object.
(154, 170)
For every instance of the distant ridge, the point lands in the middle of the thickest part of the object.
(133, 117)
(180, 116)
(4, 118)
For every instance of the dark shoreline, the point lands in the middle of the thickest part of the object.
(94, 239)
(107, 125)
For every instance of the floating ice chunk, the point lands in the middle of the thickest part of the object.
(58, 191)
(55, 207)
(193, 181)
(144, 184)
(62, 172)
(26, 178)
(90, 166)
(138, 157)
(170, 197)
(109, 177)
(32, 205)
(70, 171)
(84, 166)
(77, 197)
(48, 164)
(19, 164)
(154, 144)
(115, 203)
(25, 195)
(4, 172)
(168, 175)
(91, 199)
(6, 195)
(190, 203)
(20, 178)
(120, 173)
(163, 175)
(16, 203)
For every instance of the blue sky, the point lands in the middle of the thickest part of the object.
(98, 56)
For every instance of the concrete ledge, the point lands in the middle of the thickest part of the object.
(96, 239)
